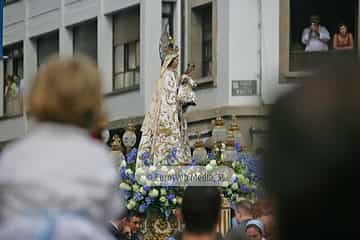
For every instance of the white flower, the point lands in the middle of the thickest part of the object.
(173, 201)
(154, 193)
(128, 172)
(162, 192)
(125, 186)
(163, 199)
(131, 204)
(152, 169)
(234, 186)
(123, 163)
(143, 180)
(229, 192)
(213, 163)
(209, 168)
(225, 184)
(164, 169)
(142, 191)
(136, 188)
(140, 171)
(157, 183)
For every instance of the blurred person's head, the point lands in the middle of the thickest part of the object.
(243, 210)
(312, 168)
(134, 222)
(67, 91)
(201, 210)
(262, 207)
(268, 222)
(315, 22)
(315, 19)
(342, 29)
(254, 230)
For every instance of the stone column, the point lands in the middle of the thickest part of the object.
(150, 32)
(65, 34)
(104, 48)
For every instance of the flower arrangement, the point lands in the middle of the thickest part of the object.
(144, 196)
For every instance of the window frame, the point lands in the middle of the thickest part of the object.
(191, 7)
(54, 33)
(169, 16)
(127, 69)
(285, 73)
(74, 37)
(8, 2)
(135, 71)
(16, 61)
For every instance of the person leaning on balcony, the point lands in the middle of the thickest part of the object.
(12, 100)
(315, 37)
(343, 40)
(58, 182)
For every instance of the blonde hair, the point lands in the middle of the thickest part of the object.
(67, 90)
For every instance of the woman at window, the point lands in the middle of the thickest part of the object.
(343, 40)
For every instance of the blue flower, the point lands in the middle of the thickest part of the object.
(138, 196)
(142, 208)
(237, 147)
(211, 155)
(147, 188)
(170, 197)
(171, 238)
(122, 173)
(244, 189)
(131, 156)
(148, 201)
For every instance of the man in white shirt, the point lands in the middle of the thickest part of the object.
(315, 37)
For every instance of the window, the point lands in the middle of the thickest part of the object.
(14, 60)
(127, 50)
(47, 45)
(295, 17)
(7, 2)
(85, 40)
(206, 25)
(13, 75)
(168, 17)
(201, 40)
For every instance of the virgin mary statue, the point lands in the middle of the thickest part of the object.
(164, 138)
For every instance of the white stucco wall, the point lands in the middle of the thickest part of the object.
(237, 46)
(270, 51)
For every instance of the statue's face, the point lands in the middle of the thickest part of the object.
(175, 63)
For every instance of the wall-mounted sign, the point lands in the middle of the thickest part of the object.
(244, 88)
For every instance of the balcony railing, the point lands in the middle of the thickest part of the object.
(301, 61)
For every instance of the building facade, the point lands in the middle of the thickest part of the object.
(242, 50)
